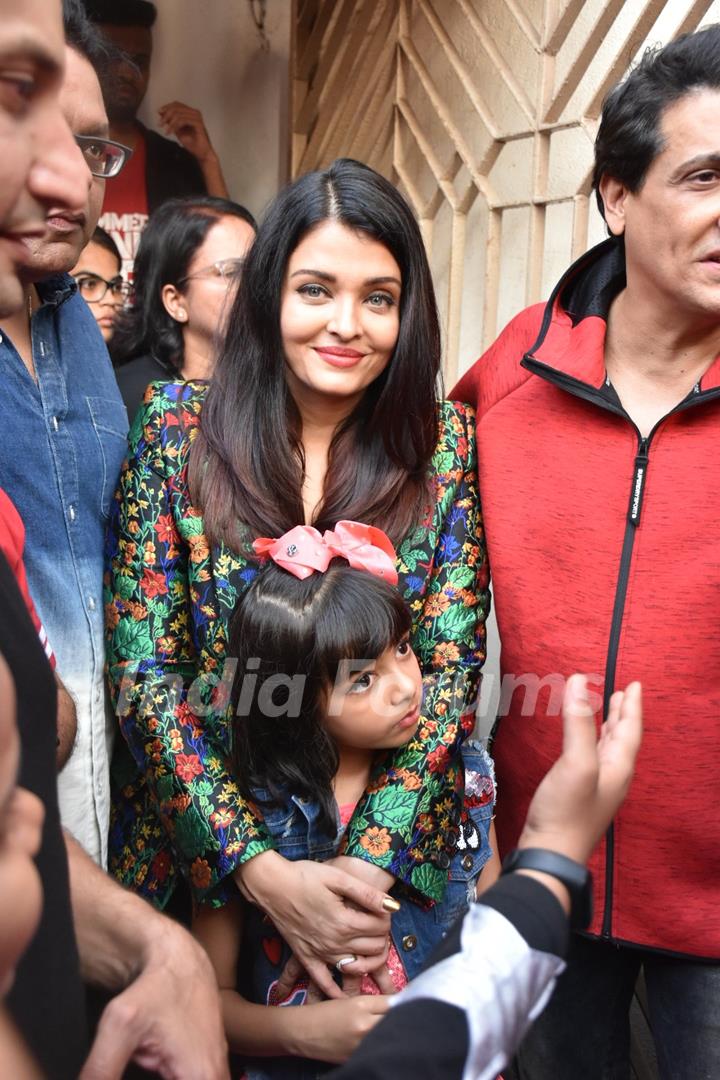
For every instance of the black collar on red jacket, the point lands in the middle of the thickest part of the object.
(570, 347)
(571, 340)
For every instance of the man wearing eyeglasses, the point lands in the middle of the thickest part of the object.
(65, 428)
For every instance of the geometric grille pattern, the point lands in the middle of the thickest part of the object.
(483, 112)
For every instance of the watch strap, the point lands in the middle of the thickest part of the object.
(575, 877)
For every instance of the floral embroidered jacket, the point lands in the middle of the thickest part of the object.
(168, 602)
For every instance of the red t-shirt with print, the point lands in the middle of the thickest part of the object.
(125, 206)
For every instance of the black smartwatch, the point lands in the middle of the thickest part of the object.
(576, 878)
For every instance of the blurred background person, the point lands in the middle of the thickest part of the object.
(186, 273)
(100, 282)
(160, 168)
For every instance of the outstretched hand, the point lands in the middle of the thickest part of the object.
(582, 792)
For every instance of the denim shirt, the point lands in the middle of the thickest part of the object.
(416, 930)
(64, 440)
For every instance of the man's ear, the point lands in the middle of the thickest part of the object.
(174, 303)
(614, 195)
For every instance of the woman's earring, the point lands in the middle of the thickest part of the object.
(182, 315)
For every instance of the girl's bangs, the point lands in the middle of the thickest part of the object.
(363, 617)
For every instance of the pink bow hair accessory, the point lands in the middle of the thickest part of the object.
(364, 547)
(302, 551)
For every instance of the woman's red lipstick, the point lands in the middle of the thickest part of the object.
(339, 356)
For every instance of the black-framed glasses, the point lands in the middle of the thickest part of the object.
(228, 269)
(103, 157)
(93, 288)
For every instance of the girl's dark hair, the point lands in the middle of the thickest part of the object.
(288, 627)
(630, 137)
(171, 237)
(104, 240)
(247, 466)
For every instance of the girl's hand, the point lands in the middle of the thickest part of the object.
(322, 913)
(332, 1030)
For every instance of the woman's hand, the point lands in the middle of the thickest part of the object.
(323, 913)
(332, 1030)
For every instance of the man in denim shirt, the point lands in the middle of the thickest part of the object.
(65, 428)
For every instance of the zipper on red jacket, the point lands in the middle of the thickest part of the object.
(596, 397)
(633, 520)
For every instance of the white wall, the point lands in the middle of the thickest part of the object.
(208, 53)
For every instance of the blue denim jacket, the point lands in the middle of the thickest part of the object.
(64, 439)
(415, 930)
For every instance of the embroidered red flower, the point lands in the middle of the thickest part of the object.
(188, 766)
(153, 583)
(165, 528)
(438, 759)
(161, 865)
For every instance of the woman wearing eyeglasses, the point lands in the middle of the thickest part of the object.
(100, 281)
(186, 270)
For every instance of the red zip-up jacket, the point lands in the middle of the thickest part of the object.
(605, 558)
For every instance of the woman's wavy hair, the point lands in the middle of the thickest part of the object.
(302, 630)
(247, 465)
(171, 237)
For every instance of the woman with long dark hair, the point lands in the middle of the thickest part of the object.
(186, 272)
(323, 407)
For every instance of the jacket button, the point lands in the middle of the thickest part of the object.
(409, 942)
(467, 862)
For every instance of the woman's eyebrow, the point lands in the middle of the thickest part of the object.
(324, 276)
(383, 281)
(315, 273)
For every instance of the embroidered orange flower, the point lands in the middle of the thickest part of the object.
(436, 604)
(377, 785)
(200, 874)
(375, 841)
(445, 653)
(222, 818)
(112, 616)
(410, 781)
(199, 549)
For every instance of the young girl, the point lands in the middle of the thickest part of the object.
(326, 679)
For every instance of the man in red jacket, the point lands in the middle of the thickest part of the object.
(599, 450)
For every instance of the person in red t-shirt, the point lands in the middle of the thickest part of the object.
(160, 168)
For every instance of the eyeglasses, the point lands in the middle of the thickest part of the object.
(226, 268)
(93, 288)
(103, 157)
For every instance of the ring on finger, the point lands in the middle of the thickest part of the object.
(343, 962)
